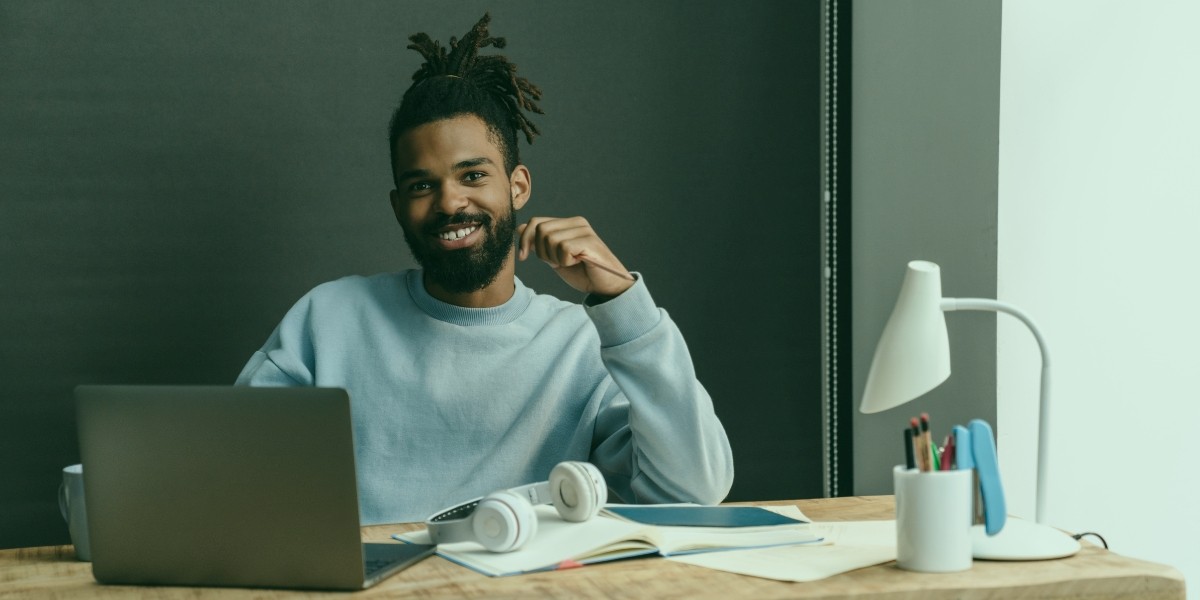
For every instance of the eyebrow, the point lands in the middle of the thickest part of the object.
(464, 164)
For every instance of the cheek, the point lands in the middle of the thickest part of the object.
(411, 212)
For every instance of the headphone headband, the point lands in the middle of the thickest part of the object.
(576, 489)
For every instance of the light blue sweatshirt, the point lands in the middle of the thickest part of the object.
(452, 403)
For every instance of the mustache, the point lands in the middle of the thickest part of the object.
(461, 218)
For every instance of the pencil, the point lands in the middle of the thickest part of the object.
(927, 438)
(919, 440)
(603, 267)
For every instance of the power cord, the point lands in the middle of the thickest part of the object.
(1098, 536)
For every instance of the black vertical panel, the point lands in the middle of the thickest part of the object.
(174, 175)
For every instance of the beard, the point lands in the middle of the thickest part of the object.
(467, 269)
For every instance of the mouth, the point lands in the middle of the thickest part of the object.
(458, 236)
(458, 233)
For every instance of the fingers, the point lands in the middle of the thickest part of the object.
(559, 241)
(576, 253)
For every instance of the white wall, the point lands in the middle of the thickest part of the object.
(1099, 240)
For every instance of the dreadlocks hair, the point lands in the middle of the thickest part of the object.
(461, 82)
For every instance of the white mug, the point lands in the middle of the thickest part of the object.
(74, 510)
(934, 511)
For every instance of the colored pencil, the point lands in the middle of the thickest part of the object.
(921, 449)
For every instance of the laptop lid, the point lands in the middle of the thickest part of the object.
(221, 486)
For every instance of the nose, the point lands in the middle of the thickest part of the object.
(452, 199)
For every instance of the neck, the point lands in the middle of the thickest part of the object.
(499, 291)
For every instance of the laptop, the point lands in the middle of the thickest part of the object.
(226, 486)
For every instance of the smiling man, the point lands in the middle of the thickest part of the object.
(457, 205)
(462, 380)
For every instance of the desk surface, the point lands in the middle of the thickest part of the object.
(52, 571)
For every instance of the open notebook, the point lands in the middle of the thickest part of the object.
(560, 544)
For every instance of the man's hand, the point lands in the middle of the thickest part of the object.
(577, 254)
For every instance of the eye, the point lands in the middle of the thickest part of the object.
(419, 186)
(474, 176)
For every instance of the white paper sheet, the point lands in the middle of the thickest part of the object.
(855, 544)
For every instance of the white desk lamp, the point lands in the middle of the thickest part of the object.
(913, 357)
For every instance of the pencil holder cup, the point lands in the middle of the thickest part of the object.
(934, 511)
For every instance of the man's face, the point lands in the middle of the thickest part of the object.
(455, 203)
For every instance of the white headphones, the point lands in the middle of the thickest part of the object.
(503, 521)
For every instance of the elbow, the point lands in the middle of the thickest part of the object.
(717, 487)
(713, 479)
(706, 486)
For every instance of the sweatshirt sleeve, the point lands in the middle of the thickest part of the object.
(657, 437)
(286, 357)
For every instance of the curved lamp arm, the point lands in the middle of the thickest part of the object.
(951, 304)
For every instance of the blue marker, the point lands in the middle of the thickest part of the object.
(963, 457)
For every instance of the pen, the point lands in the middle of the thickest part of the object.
(908, 449)
(948, 453)
(603, 267)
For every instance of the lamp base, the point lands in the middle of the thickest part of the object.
(1022, 540)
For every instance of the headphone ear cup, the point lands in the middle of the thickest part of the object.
(504, 521)
(578, 490)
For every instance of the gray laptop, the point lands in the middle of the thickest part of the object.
(226, 486)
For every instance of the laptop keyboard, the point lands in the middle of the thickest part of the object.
(378, 558)
(374, 567)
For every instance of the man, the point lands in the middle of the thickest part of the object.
(462, 380)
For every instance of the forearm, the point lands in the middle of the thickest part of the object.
(659, 427)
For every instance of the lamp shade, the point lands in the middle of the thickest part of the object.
(913, 355)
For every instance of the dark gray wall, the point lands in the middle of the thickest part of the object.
(174, 175)
(925, 150)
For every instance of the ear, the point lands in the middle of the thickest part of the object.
(396, 204)
(521, 186)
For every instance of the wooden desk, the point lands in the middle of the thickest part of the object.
(52, 571)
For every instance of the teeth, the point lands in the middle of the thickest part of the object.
(454, 235)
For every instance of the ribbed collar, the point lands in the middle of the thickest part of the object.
(468, 317)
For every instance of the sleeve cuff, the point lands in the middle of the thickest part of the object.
(626, 317)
